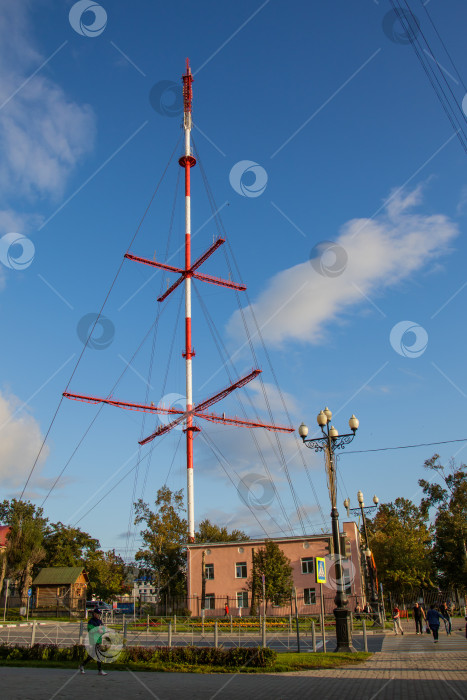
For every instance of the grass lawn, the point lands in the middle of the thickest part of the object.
(286, 662)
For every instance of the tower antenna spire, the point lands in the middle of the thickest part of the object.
(189, 271)
(187, 162)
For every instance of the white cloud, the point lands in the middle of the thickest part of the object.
(20, 441)
(13, 221)
(299, 302)
(43, 133)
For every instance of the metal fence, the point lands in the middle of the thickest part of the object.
(280, 634)
(215, 607)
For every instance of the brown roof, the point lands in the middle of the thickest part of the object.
(58, 575)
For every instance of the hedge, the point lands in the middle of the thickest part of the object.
(257, 657)
(42, 652)
(254, 657)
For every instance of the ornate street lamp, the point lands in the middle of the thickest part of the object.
(374, 601)
(330, 442)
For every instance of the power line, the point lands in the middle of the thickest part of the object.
(435, 80)
(94, 325)
(403, 447)
(424, 5)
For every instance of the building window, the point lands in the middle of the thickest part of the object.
(309, 596)
(240, 569)
(242, 599)
(347, 578)
(209, 571)
(240, 550)
(307, 565)
(306, 545)
(209, 602)
(61, 591)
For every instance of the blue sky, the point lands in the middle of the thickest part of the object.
(351, 164)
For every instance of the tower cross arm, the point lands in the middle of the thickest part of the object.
(154, 263)
(172, 288)
(219, 281)
(123, 404)
(202, 406)
(190, 272)
(217, 243)
(243, 423)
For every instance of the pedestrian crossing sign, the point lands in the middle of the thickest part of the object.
(320, 569)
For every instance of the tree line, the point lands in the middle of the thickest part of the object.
(33, 543)
(423, 546)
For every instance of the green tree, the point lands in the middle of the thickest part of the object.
(208, 532)
(106, 572)
(271, 562)
(67, 546)
(400, 539)
(450, 536)
(24, 548)
(163, 554)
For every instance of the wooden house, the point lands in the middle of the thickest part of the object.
(60, 587)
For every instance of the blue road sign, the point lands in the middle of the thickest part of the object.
(320, 570)
(29, 592)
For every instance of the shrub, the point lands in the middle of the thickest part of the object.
(210, 656)
(140, 654)
(43, 652)
(257, 657)
(14, 654)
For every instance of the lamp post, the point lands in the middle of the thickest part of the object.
(330, 442)
(369, 564)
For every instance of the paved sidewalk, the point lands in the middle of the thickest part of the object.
(425, 642)
(385, 676)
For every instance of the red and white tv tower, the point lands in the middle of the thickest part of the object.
(187, 161)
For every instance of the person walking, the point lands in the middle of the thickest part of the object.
(444, 610)
(433, 618)
(396, 618)
(358, 611)
(95, 632)
(226, 610)
(418, 616)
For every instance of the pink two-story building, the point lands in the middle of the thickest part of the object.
(228, 566)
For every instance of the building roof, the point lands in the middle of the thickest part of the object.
(262, 540)
(58, 575)
(4, 530)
